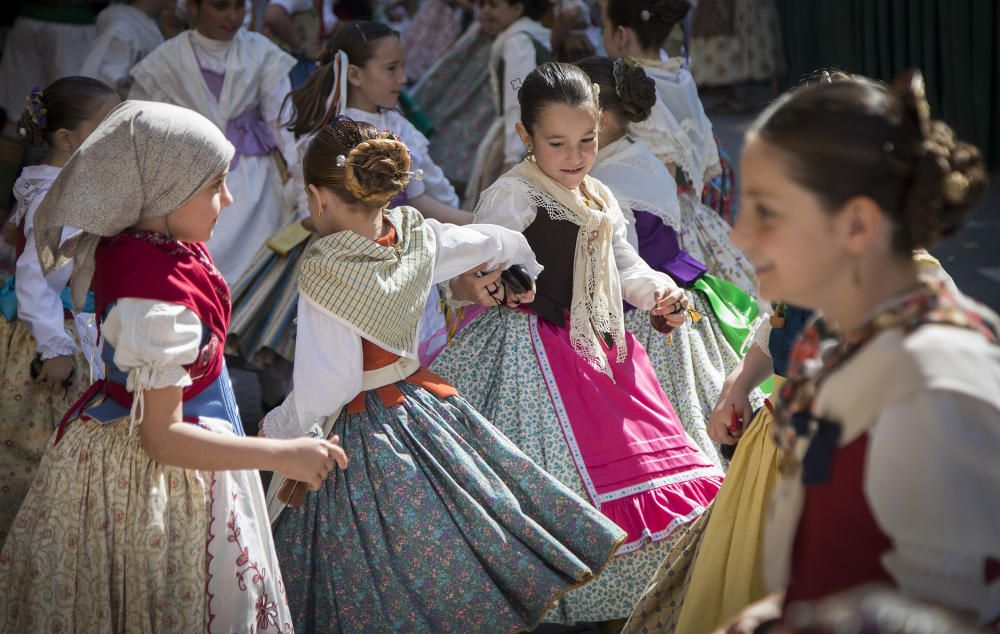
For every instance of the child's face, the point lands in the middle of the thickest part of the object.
(195, 220)
(217, 19)
(496, 15)
(377, 83)
(564, 142)
(78, 135)
(608, 31)
(795, 245)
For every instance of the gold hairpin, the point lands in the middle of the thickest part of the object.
(417, 174)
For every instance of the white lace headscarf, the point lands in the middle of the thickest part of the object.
(144, 160)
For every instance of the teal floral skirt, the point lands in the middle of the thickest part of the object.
(439, 524)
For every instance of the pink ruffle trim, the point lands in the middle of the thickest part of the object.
(654, 514)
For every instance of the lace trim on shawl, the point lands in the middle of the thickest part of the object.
(601, 316)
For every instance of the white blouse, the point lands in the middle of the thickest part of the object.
(125, 35)
(152, 341)
(519, 59)
(513, 209)
(328, 360)
(38, 302)
(435, 184)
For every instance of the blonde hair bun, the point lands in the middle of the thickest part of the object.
(377, 170)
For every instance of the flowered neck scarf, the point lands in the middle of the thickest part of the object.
(820, 351)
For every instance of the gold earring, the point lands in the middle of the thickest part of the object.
(856, 273)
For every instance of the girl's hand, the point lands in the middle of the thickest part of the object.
(57, 373)
(472, 287)
(732, 400)
(516, 299)
(670, 303)
(754, 615)
(309, 460)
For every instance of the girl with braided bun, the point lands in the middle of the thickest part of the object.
(46, 347)
(888, 426)
(562, 377)
(693, 365)
(360, 76)
(677, 130)
(440, 523)
(147, 513)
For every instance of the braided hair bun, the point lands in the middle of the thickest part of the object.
(377, 170)
(636, 90)
(357, 161)
(626, 90)
(949, 176)
(851, 136)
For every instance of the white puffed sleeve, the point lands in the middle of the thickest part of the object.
(932, 477)
(327, 373)
(507, 207)
(460, 249)
(152, 341)
(639, 282)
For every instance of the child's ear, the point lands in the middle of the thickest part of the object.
(520, 8)
(353, 75)
(525, 137)
(62, 140)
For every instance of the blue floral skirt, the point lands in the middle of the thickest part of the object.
(439, 524)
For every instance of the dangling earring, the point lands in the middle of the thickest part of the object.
(856, 273)
(531, 151)
(166, 224)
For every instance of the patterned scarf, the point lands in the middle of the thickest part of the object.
(819, 352)
(377, 290)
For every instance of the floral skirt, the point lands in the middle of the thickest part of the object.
(747, 48)
(109, 541)
(717, 570)
(439, 524)
(705, 235)
(264, 303)
(493, 362)
(28, 414)
(691, 364)
(456, 94)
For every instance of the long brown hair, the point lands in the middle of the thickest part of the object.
(308, 101)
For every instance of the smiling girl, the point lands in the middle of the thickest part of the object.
(562, 377)
(888, 427)
(238, 79)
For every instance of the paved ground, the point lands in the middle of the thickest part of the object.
(972, 257)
